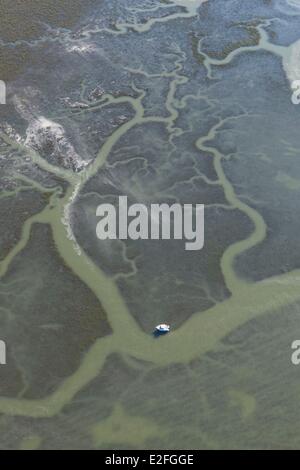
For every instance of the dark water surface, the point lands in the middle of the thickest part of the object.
(183, 101)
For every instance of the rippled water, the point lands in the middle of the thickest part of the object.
(181, 101)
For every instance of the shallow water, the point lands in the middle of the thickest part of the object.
(145, 99)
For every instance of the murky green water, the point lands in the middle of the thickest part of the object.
(180, 101)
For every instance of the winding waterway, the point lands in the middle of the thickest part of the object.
(203, 331)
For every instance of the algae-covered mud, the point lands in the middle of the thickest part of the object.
(178, 101)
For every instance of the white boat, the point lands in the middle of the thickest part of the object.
(163, 328)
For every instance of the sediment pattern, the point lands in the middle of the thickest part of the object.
(183, 119)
